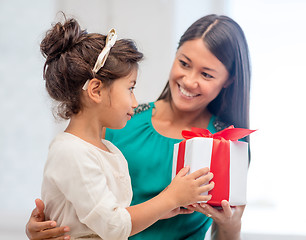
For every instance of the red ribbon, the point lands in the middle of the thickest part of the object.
(220, 158)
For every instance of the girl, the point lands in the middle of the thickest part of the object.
(86, 183)
(208, 87)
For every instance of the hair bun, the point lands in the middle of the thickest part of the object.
(60, 39)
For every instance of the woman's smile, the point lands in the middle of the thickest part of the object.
(186, 93)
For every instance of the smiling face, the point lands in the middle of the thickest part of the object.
(196, 77)
(119, 101)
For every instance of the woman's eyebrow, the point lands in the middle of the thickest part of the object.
(205, 68)
(209, 69)
(187, 57)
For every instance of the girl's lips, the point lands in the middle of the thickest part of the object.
(130, 115)
(186, 93)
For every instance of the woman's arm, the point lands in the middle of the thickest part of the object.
(227, 221)
(38, 229)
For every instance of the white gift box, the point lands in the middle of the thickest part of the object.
(229, 169)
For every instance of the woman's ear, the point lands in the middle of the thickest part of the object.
(94, 90)
(228, 82)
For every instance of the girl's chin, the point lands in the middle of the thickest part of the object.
(118, 126)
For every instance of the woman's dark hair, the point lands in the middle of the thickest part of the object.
(71, 54)
(225, 39)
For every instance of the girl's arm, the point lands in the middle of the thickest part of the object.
(183, 190)
(227, 221)
(38, 228)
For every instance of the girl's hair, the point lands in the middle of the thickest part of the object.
(71, 54)
(225, 39)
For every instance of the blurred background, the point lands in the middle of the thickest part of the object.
(275, 30)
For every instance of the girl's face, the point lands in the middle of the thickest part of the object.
(119, 101)
(196, 77)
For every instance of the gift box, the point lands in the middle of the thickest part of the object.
(225, 156)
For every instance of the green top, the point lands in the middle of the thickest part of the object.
(149, 156)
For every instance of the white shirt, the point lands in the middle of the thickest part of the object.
(87, 189)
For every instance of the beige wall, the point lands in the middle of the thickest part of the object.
(154, 25)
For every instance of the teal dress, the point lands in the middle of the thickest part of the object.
(149, 157)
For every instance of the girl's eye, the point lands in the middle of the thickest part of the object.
(206, 75)
(131, 89)
(183, 63)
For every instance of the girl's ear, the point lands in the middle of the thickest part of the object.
(228, 82)
(94, 90)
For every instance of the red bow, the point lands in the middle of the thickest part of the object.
(229, 133)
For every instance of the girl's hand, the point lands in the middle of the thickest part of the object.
(37, 228)
(227, 221)
(187, 189)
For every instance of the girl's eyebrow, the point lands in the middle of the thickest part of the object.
(205, 68)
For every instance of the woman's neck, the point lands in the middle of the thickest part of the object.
(170, 121)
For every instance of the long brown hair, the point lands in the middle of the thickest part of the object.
(71, 54)
(225, 39)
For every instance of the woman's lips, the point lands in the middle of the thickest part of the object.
(186, 93)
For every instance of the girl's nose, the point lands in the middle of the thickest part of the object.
(134, 101)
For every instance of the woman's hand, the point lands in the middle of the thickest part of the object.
(38, 229)
(177, 211)
(227, 221)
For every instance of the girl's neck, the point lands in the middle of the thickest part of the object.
(86, 128)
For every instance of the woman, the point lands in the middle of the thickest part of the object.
(208, 87)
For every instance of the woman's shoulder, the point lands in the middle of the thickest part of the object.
(219, 124)
(143, 107)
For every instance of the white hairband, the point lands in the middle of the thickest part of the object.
(110, 41)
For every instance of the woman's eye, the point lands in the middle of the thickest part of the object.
(206, 75)
(183, 63)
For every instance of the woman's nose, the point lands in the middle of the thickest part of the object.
(190, 80)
